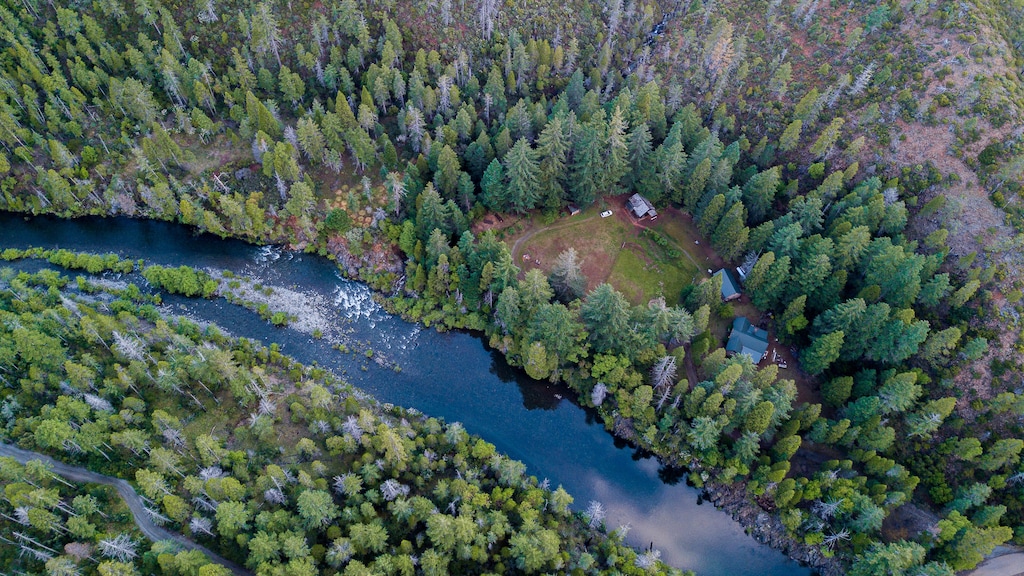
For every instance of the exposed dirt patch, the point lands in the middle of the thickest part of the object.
(907, 522)
(217, 153)
(954, 74)
(977, 221)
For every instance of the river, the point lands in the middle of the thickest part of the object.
(451, 375)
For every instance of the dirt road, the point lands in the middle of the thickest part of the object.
(131, 498)
(1006, 565)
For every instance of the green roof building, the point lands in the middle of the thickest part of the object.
(748, 339)
(730, 287)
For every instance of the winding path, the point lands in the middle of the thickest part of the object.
(131, 498)
(538, 230)
(1010, 563)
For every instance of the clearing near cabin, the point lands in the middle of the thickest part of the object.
(640, 258)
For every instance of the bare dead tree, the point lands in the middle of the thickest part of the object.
(121, 548)
(595, 512)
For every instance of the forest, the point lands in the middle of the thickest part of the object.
(381, 134)
(357, 488)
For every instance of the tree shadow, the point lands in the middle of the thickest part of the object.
(537, 395)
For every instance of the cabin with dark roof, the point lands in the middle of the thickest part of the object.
(730, 287)
(641, 207)
(748, 339)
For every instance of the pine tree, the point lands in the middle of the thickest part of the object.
(291, 85)
(260, 117)
(552, 147)
(493, 187)
(494, 90)
(588, 163)
(730, 235)
(641, 169)
(822, 147)
(311, 140)
(768, 292)
(616, 151)
(265, 33)
(430, 212)
(605, 315)
(823, 351)
(448, 169)
(793, 319)
(708, 219)
(759, 193)
(521, 173)
(566, 277)
(696, 184)
(779, 84)
(758, 274)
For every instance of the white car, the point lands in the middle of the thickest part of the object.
(606, 213)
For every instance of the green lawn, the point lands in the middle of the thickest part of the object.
(616, 251)
(644, 270)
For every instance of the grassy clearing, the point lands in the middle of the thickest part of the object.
(596, 241)
(643, 271)
(616, 250)
(220, 153)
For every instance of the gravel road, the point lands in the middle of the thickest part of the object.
(135, 504)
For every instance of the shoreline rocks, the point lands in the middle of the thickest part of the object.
(767, 529)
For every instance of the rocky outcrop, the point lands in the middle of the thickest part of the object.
(767, 528)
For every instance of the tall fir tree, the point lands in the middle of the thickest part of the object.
(521, 171)
(588, 163)
(492, 186)
(552, 147)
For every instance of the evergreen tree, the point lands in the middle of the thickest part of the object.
(616, 152)
(588, 168)
(759, 193)
(566, 277)
(823, 351)
(493, 187)
(448, 170)
(260, 118)
(730, 235)
(766, 293)
(641, 169)
(605, 315)
(791, 135)
(521, 173)
(707, 220)
(696, 185)
(793, 320)
(552, 147)
(822, 147)
(430, 213)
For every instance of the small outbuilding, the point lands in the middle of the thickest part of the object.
(730, 287)
(641, 207)
(748, 339)
(573, 209)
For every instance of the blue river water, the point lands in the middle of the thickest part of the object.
(451, 375)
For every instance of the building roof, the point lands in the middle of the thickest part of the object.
(641, 206)
(748, 339)
(730, 287)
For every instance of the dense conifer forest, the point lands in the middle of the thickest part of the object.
(860, 162)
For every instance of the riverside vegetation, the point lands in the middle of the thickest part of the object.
(276, 466)
(380, 133)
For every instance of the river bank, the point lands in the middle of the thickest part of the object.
(529, 420)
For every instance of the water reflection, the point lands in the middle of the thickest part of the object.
(450, 375)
